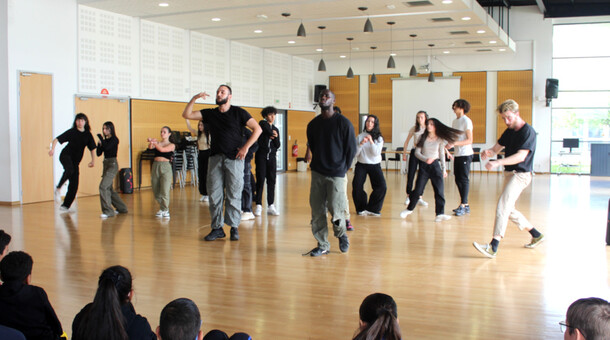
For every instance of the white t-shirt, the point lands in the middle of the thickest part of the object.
(464, 123)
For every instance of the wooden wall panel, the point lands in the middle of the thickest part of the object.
(99, 111)
(296, 123)
(380, 103)
(347, 97)
(473, 88)
(517, 85)
(147, 119)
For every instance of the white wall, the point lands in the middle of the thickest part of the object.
(42, 39)
(5, 165)
(533, 37)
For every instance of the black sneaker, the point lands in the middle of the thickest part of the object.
(462, 210)
(317, 251)
(214, 234)
(234, 234)
(343, 243)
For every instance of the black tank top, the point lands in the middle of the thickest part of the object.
(167, 155)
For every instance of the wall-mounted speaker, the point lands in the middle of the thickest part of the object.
(552, 88)
(316, 92)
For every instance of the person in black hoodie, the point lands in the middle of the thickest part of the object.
(111, 314)
(24, 307)
(266, 162)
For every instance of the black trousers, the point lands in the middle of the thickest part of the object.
(461, 167)
(246, 193)
(375, 201)
(71, 173)
(433, 173)
(411, 171)
(203, 158)
(265, 170)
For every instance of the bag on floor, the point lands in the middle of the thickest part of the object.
(126, 180)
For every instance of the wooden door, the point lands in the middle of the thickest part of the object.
(35, 115)
(99, 111)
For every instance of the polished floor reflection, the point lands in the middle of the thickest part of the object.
(262, 285)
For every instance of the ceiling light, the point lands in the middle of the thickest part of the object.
(368, 26)
(391, 63)
(502, 49)
(393, 54)
(342, 56)
(322, 65)
(373, 76)
(215, 19)
(262, 16)
(413, 71)
(301, 31)
(350, 72)
(319, 50)
(258, 31)
(492, 41)
(481, 31)
(431, 78)
(446, 52)
(292, 42)
(446, 2)
(163, 4)
(466, 18)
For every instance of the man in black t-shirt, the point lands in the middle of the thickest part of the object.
(226, 164)
(331, 139)
(519, 144)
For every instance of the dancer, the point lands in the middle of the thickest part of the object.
(519, 144)
(266, 163)
(246, 193)
(430, 151)
(203, 156)
(370, 143)
(111, 314)
(332, 142)
(416, 131)
(109, 145)
(226, 168)
(463, 154)
(378, 318)
(161, 174)
(78, 137)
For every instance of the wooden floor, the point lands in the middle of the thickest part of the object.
(262, 285)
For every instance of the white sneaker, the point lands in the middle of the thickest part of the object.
(103, 216)
(57, 195)
(271, 210)
(405, 213)
(63, 209)
(258, 210)
(159, 213)
(407, 201)
(370, 213)
(442, 217)
(204, 198)
(246, 216)
(422, 202)
(165, 214)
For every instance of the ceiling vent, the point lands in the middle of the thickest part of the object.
(458, 32)
(419, 3)
(484, 50)
(446, 19)
(472, 42)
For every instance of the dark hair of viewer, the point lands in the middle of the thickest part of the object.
(104, 319)
(5, 239)
(591, 316)
(16, 266)
(379, 317)
(180, 319)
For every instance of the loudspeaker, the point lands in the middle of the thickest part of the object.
(552, 88)
(316, 92)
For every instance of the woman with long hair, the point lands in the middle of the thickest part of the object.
(203, 156)
(78, 137)
(416, 132)
(111, 314)
(378, 319)
(430, 151)
(161, 174)
(109, 146)
(370, 144)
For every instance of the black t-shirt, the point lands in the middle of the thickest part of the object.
(225, 129)
(77, 142)
(109, 147)
(332, 143)
(513, 141)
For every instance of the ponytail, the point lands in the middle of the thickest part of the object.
(379, 319)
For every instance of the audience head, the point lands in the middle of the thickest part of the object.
(378, 318)
(5, 239)
(588, 319)
(180, 320)
(16, 266)
(461, 104)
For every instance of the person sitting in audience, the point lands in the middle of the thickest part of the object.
(111, 314)
(180, 320)
(7, 333)
(23, 306)
(587, 319)
(378, 318)
(5, 239)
